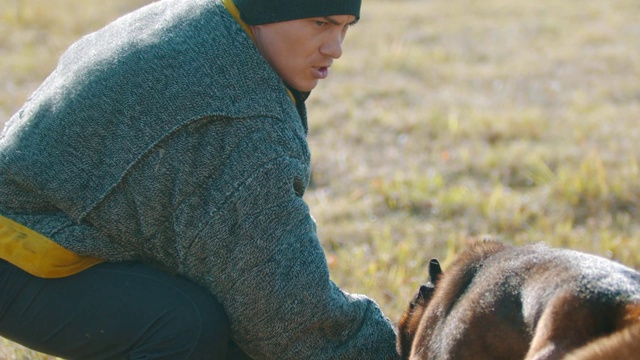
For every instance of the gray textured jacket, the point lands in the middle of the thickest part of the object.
(165, 137)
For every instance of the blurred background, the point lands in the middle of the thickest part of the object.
(444, 121)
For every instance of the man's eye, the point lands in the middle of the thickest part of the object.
(320, 23)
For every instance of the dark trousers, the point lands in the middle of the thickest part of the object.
(113, 311)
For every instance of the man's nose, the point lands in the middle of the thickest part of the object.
(333, 47)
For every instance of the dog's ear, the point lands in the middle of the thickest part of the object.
(424, 293)
(426, 290)
(410, 320)
(434, 271)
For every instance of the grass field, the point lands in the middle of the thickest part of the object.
(444, 121)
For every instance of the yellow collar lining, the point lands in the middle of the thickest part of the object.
(233, 10)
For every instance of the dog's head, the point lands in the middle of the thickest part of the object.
(408, 324)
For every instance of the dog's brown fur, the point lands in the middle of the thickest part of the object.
(532, 302)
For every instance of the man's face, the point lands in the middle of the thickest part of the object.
(301, 51)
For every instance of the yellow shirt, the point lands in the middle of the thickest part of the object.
(37, 254)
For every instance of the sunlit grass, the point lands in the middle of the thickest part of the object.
(447, 120)
(12, 351)
(443, 121)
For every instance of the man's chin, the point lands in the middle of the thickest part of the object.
(304, 86)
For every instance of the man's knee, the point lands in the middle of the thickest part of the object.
(195, 327)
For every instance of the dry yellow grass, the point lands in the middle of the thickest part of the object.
(444, 120)
(447, 120)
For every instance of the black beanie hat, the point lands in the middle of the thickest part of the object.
(258, 12)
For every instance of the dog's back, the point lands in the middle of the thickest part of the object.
(534, 302)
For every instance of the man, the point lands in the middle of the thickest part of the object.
(174, 139)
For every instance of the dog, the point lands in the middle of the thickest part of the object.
(532, 302)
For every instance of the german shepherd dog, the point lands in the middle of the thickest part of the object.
(531, 302)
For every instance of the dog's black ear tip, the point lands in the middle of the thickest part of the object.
(434, 271)
(434, 267)
(424, 291)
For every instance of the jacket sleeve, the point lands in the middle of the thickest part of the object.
(271, 275)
